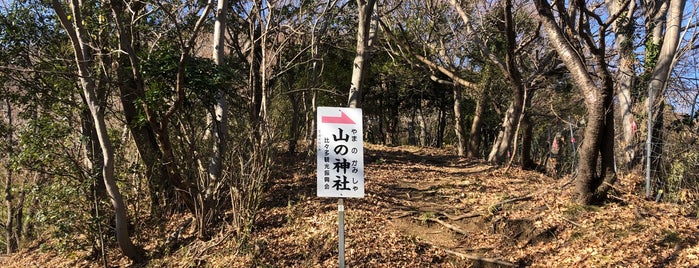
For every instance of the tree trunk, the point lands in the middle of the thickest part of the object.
(598, 135)
(315, 61)
(366, 16)
(458, 130)
(661, 72)
(474, 137)
(220, 124)
(500, 150)
(19, 216)
(625, 29)
(146, 144)
(587, 180)
(76, 32)
(131, 89)
(294, 131)
(255, 61)
(121, 217)
(526, 160)
(608, 176)
(442, 125)
(412, 137)
(382, 124)
(11, 241)
(500, 147)
(598, 142)
(95, 162)
(422, 138)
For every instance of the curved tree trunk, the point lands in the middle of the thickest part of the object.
(598, 137)
(597, 90)
(500, 149)
(76, 32)
(131, 88)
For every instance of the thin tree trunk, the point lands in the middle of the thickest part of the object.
(412, 137)
(131, 88)
(526, 126)
(312, 124)
(95, 162)
(10, 239)
(442, 125)
(500, 138)
(514, 77)
(422, 138)
(76, 32)
(11, 243)
(19, 216)
(315, 37)
(608, 176)
(474, 136)
(382, 124)
(458, 130)
(294, 131)
(220, 124)
(255, 79)
(500, 150)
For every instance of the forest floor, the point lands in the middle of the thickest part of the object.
(427, 208)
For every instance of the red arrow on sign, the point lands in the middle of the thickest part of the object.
(342, 119)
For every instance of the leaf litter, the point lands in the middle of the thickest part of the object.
(425, 207)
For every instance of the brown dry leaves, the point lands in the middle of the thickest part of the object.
(405, 186)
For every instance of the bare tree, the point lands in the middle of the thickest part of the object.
(583, 50)
(436, 47)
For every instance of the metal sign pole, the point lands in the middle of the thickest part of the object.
(341, 231)
(340, 161)
(649, 140)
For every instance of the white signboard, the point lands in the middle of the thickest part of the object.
(340, 152)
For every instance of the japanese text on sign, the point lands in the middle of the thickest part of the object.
(340, 154)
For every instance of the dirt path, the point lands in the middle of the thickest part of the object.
(443, 202)
(522, 218)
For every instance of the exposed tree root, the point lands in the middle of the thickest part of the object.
(475, 258)
(496, 207)
(451, 227)
(462, 216)
(402, 214)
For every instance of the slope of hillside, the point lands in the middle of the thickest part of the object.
(426, 208)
